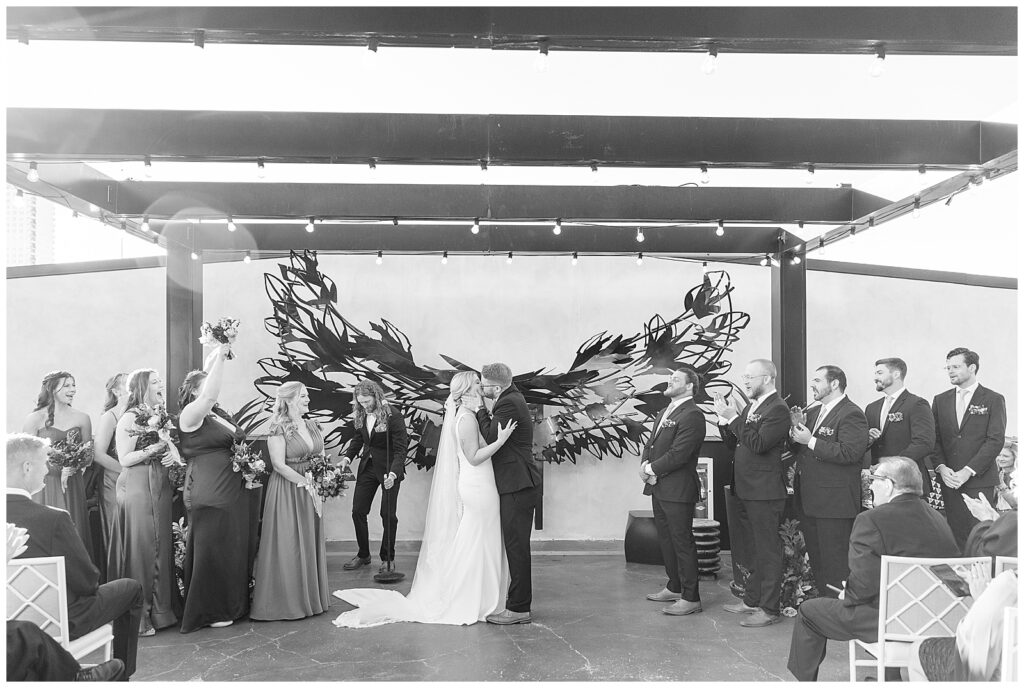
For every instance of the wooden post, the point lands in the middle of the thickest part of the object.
(789, 328)
(184, 307)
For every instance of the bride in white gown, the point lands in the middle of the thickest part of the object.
(462, 574)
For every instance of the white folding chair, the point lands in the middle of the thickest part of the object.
(37, 592)
(1004, 564)
(1008, 669)
(913, 603)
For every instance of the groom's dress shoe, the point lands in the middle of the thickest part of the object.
(760, 618)
(355, 563)
(665, 595)
(740, 608)
(682, 608)
(506, 617)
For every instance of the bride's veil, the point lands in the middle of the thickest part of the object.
(444, 511)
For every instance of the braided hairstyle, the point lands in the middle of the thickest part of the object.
(52, 381)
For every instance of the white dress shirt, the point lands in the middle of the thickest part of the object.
(18, 491)
(966, 393)
(825, 410)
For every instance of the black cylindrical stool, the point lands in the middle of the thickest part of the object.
(705, 533)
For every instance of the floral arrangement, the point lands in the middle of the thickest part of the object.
(797, 577)
(328, 479)
(180, 535)
(225, 331)
(151, 420)
(896, 417)
(71, 452)
(176, 474)
(249, 463)
(826, 431)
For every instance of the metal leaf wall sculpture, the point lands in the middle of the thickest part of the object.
(595, 406)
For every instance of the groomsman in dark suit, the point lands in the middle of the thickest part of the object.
(830, 451)
(669, 470)
(757, 432)
(900, 423)
(971, 427)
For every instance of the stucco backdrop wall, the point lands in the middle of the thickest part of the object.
(533, 314)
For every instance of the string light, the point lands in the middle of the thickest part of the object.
(921, 169)
(640, 258)
(810, 174)
(509, 259)
(721, 228)
(231, 224)
(124, 226)
(147, 167)
(639, 235)
(557, 229)
(372, 44)
(540, 61)
(704, 267)
(380, 257)
(145, 224)
(871, 221)
(916, 212)
(775, 262)
(248, 258)
(710, 61)
(394, 221)
(310, 226)
(705, 178)
(476, 226)
(795, 260)
(764, 260)
(878, 64)
(33, 172)
(483, 165)
(575, 258)
(92, 206)
(194, 256)
(373, 164)
(593, 167)
(821, 246)
(261, 169)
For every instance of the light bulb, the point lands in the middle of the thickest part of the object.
(248, 258)
(148, 167)
(916, 212)
(231, 224)
(380, 257)
(639, 235)
(508, 260)
(444, 258)
(710, 63)
(821, 248)
(640, 259)
(704, 267)
(261, 169)
(309, 226)
(878, 64)
(145, 224)
(705, 178)
(557, 229)
(720, 230)
(810, 175)
(764, 260)
(92, 206)
(575, 258)
(194, 256)
(476, 226)
(775, 262)
(795, 260)
(33, 172)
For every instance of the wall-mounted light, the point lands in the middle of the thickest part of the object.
(640, 258)
(444, 258)
(231, 224)
(705, 178)
(720, 231)
(380, 257)
(261, 169)
(575, 258)
(476, 226)
(508, 260)
(145, 224)
(810, 174)
(147, 167)
(639, 235)
(248, 257)
(557, 228)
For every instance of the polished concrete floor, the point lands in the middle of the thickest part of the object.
(591, 622)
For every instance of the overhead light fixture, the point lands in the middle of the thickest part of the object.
(575, 258)
(640, 258)
(878, 64)
(916, 212)
(147, 167)
(372, 44)
(380, 257)
(124, 226)
(194, 256)
(33, 172)
(795, 260)
(821, 246)
(764, 260)
(710, 63)
(145, 224)
(593, 167)
(261, 170)
(199, 38)
(476, 225)
(639, 235)
(231, 224)
(540, 61)
(394, 221)
(871, 221)
(557, 228)
(248, 257)
(922, 169)
(774, 261)
(705, 178)
(704, 267)
(310, 226)
(810, 174)
(444, 258)
(509, 259)
(373, 164)
(720, 231)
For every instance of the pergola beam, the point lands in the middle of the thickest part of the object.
(59, 134)
(832, 30)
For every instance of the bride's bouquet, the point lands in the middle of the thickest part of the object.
(225, 331)
(69, 455)
(327, 480)
(249, 463)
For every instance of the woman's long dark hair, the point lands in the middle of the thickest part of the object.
(190, 387)
(113, 383)
(138, 385)
(48, 391)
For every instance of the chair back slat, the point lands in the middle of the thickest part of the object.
(37, 592)
(1004, 564)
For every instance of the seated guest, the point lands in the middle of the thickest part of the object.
(996, 533)
(52, 534)
(32, 655)
(901, 524)
(1007, 463)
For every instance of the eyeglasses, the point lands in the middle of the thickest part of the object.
(751, 377)
(876, 476)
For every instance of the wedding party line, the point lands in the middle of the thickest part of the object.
(865, 483)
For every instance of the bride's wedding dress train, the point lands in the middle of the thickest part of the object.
(462, 574)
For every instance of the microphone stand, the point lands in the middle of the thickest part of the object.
(390, 575)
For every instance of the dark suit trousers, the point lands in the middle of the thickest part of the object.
(32, 655)
(959, 518)
(821, 619)
(828, 548)
(362, 500)
(760, 521)
(516, 523)
(119, 601)
(674, 521)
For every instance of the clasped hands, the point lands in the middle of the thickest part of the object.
(800, 434)
(645, 476)
(953, 479)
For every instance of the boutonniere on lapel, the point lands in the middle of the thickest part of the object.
(753, 418)
(896, 417)
(668, 423)
(826, 431)
(977, 410)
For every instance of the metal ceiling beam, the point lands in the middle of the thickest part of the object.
(312, 137)
(906, 30)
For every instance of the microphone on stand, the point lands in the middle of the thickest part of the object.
(390, 575)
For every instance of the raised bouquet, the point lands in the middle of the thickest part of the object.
(224, 331)
(69, 455)
(249, 463)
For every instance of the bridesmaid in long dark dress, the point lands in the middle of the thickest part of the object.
(217, 547)
(105, 453)
(54, 419)
(291, 565)
(142, 545)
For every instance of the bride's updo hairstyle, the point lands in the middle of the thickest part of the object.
(462, 383)
(281, 419)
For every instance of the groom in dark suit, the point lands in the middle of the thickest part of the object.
(900, 423)
(517, 477)
(669, 471)
(970, 421)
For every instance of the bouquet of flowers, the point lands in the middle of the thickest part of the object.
(249, 463)
(151, 420)
(70, 454)
(225, 331)
(176, 474)
(327, 478)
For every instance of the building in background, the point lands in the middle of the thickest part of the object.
(31, 229)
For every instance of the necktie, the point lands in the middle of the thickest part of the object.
(961, 405)
(817, 421)
(886, 405)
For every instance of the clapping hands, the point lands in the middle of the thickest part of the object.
(980, 508)
(726, 408)
(17, 541)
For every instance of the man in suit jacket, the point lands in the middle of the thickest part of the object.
(381, 438)
(669, 470)
(901, 524)
(971, 425)
(758, 434)
(900, 423)
(518, 479)
(830, 450)
(52, 534)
